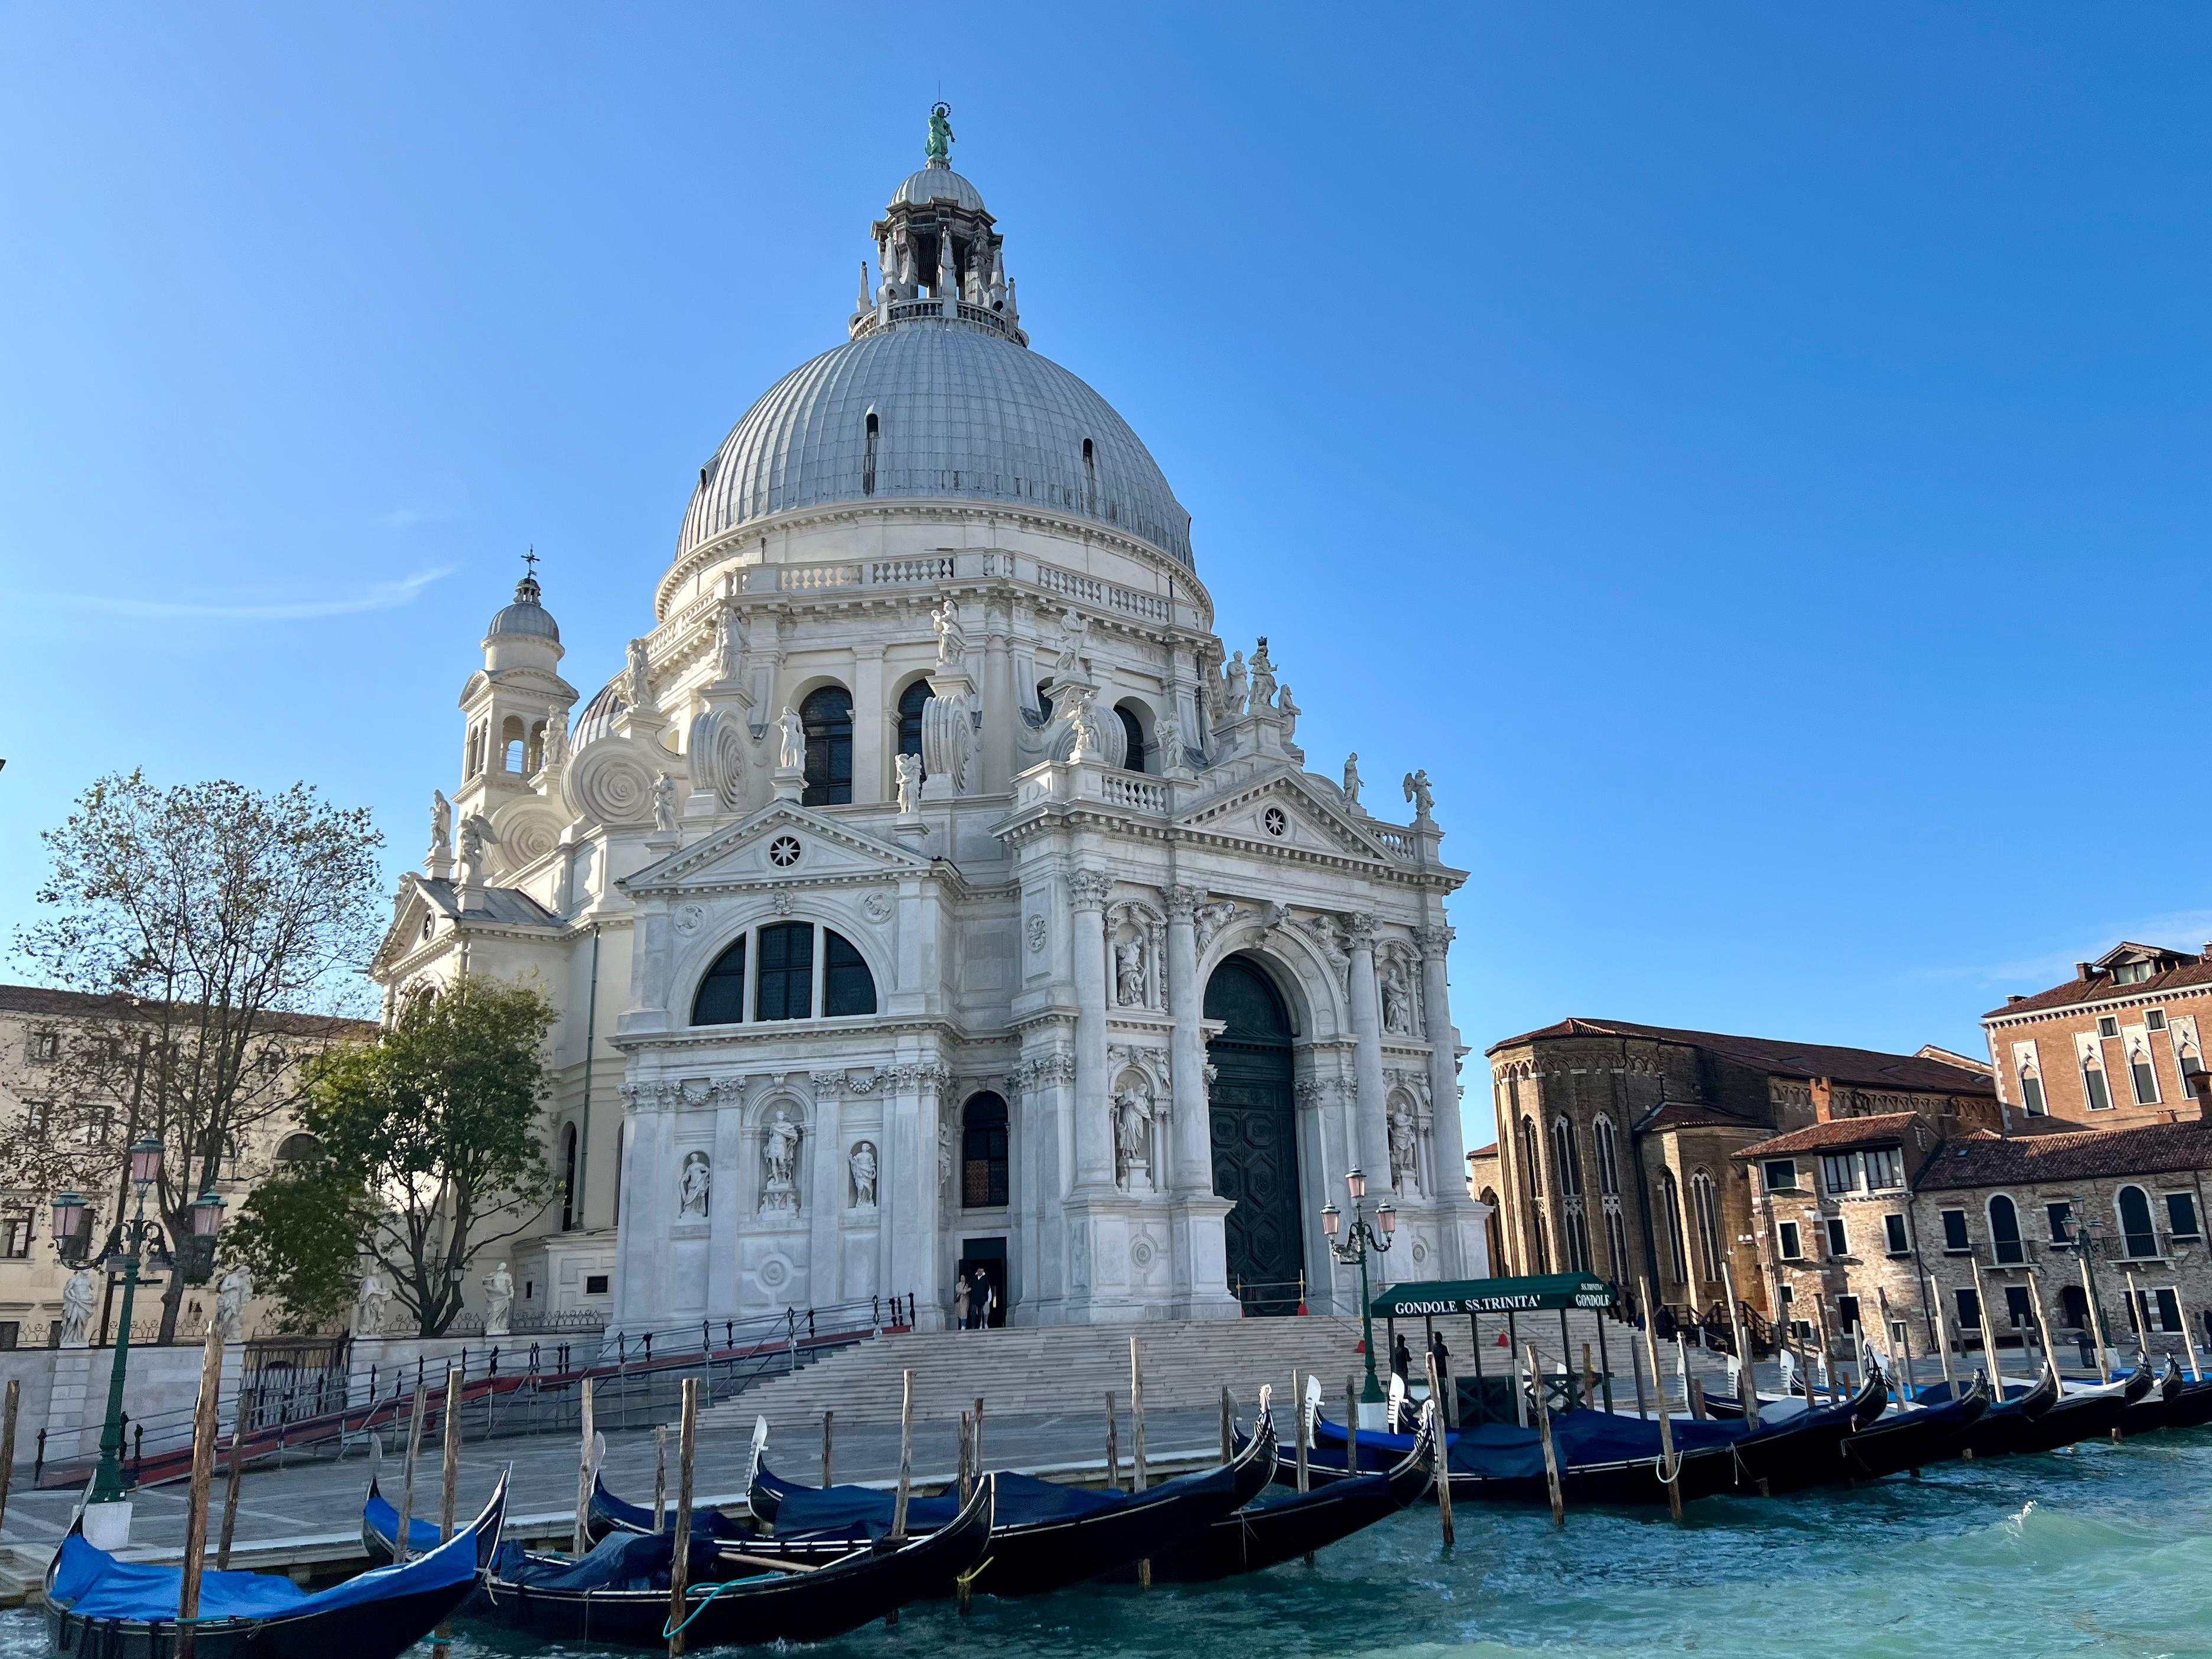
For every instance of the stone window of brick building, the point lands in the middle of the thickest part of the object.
(1894, 1235)
(1780, 1174)
(1792, 1241)
(1839, 1237)
(2005, 1245)
(1839, 1172)
(1884, 1169)
(2141, 1072)
(1955, 1241)
(2061, 1218)
(1970, 1309)
(2181, 1216)
(2138, 1239)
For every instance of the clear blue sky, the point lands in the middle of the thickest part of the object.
(1753, 457)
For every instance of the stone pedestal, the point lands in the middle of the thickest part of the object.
(790, 782)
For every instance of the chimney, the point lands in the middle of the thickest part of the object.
(1824, 1101)
(2013, 998)
(2081, 970)
(2200, 1084)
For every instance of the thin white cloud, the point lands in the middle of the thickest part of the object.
(2183, 929)
(384, 596)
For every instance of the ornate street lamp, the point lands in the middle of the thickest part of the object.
(107, 1480)
(69, 1217)
(1359, 1243)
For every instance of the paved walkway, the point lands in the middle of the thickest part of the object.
(282, 1511)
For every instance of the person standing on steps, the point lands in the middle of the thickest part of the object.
(1402, 1360)
(984, 1298)
(960, 1302)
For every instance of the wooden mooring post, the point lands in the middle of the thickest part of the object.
(196, 1501)
(1113, 1445)
(1670, 1469)
(236, 1475)
(7, 1415)
(1544, 1430)
(580, 1542)
(679, 1559)
(450, 1480)
(1137, 1470)
(1438, 1453)
(400, 1551)
(660, 1477)
(906, 1456)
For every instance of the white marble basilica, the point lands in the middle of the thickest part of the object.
(932, 889)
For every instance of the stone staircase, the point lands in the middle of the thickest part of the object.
(1042, 1370)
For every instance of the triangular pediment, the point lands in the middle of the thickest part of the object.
(759, 851)
(1283, 810)
(418, 904)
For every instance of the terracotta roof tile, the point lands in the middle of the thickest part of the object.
(2194, 973)
(1879, 1128)
(1987, 1161)
(1867, 1067)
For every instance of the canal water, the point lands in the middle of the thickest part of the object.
(2102, 1549)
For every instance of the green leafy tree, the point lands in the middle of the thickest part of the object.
(206, 920)
(300, 1234)
(430, 1145)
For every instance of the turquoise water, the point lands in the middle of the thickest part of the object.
(2104, 1550)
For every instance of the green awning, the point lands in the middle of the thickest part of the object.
(1531, 1294)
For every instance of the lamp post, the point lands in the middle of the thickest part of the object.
(1358, 1243)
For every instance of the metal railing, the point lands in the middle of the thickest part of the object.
(512, 1386)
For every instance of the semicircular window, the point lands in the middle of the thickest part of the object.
(1133, 729)
(847, 986)
(721, 999)
(299, 1148)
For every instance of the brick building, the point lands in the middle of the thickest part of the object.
(2112, 1048)
(1902, 1221)
(1617, 1143)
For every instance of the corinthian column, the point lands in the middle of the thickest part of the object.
(1449, 1142)
(1094, 1144)
(1371, 1134)
(1194, 1143)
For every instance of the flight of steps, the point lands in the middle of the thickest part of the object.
(1068, 1368)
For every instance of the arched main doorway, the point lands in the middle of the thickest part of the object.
(1254, 1133)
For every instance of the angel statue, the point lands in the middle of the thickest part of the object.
(951, 637)
(1418, 792)
(909, 784)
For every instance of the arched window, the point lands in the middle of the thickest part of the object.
(847, 986)
(513, 739)
(1670, 1209)
(1705, 1204)
(828, 716)
(1532, 1167)
(568, 1180)
(909, 717)
(868, 459)
(2031, 1090)
(299, 1148)
(1133, 729)
(1493, 1236)
(1090, 479)
(721, 998)
(1532, 1193)
(787, 972)
(2004, 1231)
(2139, 1238)
(2073, 1308)
(2094, 1085)
(2141, 1073)
(983, 1153)
(1568, 1169)
(1608, 1160)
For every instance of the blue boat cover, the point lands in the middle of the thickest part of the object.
(620, 1561)
(384, 1521)
(705, 1523)
(1502, 1451)
(92, 1583)
(862, 1512)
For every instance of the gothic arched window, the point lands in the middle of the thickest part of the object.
(1133, 729)
(909, 717)
(1704, 1205)
(983, 1153)
(847, 986)
(785, 990)
(1568, 1169)
(2004, 1231)
(828, 716)
(721, 998)
(1671, 1205)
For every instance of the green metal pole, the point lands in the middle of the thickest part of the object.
(107, 1482)
(1372, 1394)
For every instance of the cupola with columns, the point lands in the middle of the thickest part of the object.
(937, 254)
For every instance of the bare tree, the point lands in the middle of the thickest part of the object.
(204, 919)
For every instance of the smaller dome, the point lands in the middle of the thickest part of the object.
(938, 183)
(526, 615)
(597, 719)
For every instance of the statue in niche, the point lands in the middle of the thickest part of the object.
(1263, 676)
(369, 1304)
(1082, 711)
(78, 1297)
(639, 675)
(1129, 971)
(1133, 1133)
(1404, 1160)
(499, 1300)
(1418, 792)
(1235, 693)
(1351, 778)
(909, 784)
(1290, 711)
(694, 1186)
(945, 1156)
(792, 731)
(1397, 1001)
(230, 1299)
(729, 643)
(664, 805)
(1168, 732)
(1075, 642)
(779, 1162)
(441, 825)
(951, 637)
(862, 1164)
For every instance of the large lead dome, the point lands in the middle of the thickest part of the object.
(937, 397)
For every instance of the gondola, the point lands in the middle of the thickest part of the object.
(1046, 1535)
(97, 1605)
(2154, 1411)
(2083, 1415)
(2005, 1426)
(619, 1593)
(2192, 1408)
(610, 1514)
(1276, 1526)
(1914, 1438)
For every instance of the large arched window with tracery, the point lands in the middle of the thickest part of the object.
(1575, 1219)
(826, 715)
(1705, 1209)
(1670, 1207)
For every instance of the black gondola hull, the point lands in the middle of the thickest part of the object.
(1914, 1439)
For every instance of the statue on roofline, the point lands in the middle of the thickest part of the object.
(940, 147)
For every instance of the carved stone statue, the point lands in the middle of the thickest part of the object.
(639, 675)
(557, 736)
(664, 805)
(476, 836)
(945, 1156)
(1129, 971)
(862, 1164)
(1133, 1127)
(694, 1186)
(792, 731)
(1404, 1162)
(1418, 792)
(1075, 642)
(230, 1299)
(1210, 919)
(1351, 777)
(441, 825)
(909, 784)
(729, 643)
(940, 147)
(951, 637)
(779, 1151)
(1290, 711)
(78, 1297)
(1397, 1001)
(369, 1303)
(1168, 734)
(1082, 711)
(1235, 693)
(499, 1300)
(1263, 675)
